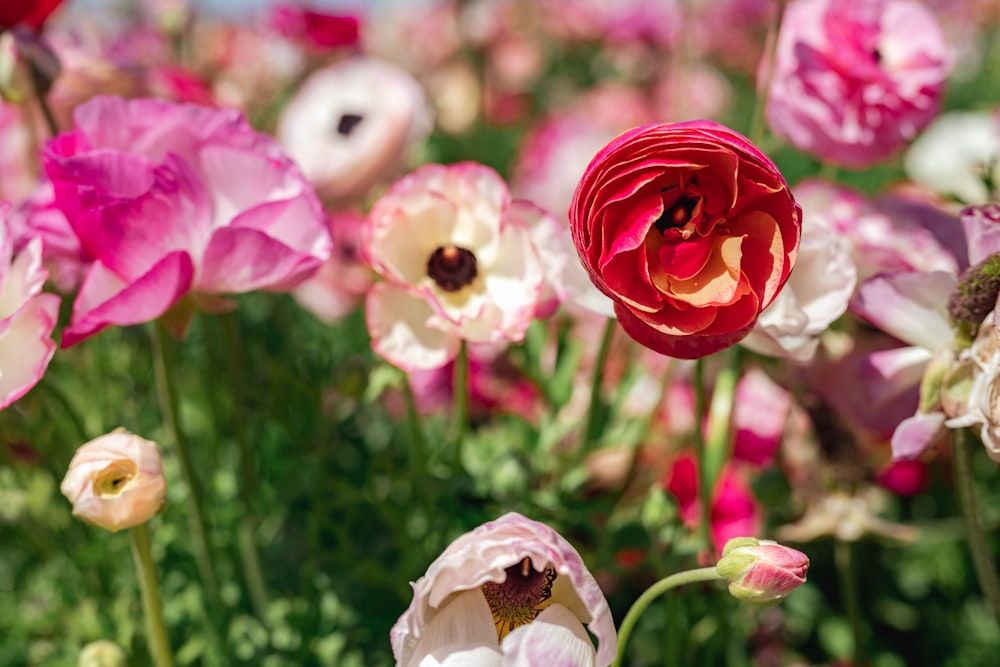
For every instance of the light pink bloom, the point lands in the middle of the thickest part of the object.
(175, 199)
(957, 153)
(458, 261)
(116, 481)
(761, 571)
(27, 316)
(511, 592)
(760, 414)
(855, 80)
(352, 123)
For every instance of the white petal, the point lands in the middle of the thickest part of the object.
(912, 306)
(555, 639)
(26, 347)
(461, 634)
(397, 322)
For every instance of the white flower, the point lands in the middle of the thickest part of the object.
(954, 154)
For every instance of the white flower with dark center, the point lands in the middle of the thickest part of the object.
(458, 262)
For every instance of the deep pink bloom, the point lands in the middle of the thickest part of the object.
(854, 81)
(31, 13)
(905, 478)
(27, 316)
(317, 31)
(691, 231)
(176, 199)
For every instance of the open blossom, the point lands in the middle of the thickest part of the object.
(27, 316)
(116, 481)
(351, 123)
(511, 592)
(855, 80)
(176, 199)
(690, 229)
(458, 262)
(761, 571)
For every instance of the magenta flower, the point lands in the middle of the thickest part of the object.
(27, 316)
(855, 80)
(511, 592)
(761, 571)
(173, 200)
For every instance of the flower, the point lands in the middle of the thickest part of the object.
(176, 199)
(761, 571)
(32, 13)
(690, 229)
(350, 124)
(511, 592)
(27, 316)
(957, 155)
(854, 80)
(458, 262)
(116, 481)
(102, 653)
(317, 31)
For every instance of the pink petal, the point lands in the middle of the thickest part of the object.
(556, 637)
(398, 324)
(912, 306)
(26, 347)
(916, 434)
(242, 260)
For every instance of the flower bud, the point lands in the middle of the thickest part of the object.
(102, 653)
(116, 481)
(761, 572)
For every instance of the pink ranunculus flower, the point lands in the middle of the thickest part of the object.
(317, 31)
(511, 592)
(854, 81)
(116, 481)
(27, 316)
(458, 261)
(761, 571)
(352, 123)
(691, 231)
(173, 200)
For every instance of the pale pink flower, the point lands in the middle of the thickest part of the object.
(116, 481)
(352, 123)
(511, 592)
(458, 262)
(27, 316)
(760, 414)
(616, 21)
(854, 81)
(175, 199)
(18, 155)
(957, 154)
(761, 571)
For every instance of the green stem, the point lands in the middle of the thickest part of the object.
(253, 575)
(757, 124)
(982, 560)
(596, 410)
(418, 447)
(152, 611)
(847, 572)
(460, 392)
(653, 592)
(167, 390)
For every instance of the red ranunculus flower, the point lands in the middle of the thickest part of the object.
(690, 229)
(29, 12)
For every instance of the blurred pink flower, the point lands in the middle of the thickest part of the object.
(458, 262)
(340, 284)
(855, 80)
(315, 30)
(18, 155)
(511, 592)
(174, 199)
(616, 21)
(116, 481)
(904, 478)
(352, 123)
(37, 216)
(760, 413)
(27, 316)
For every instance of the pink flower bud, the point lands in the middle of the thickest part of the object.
(116, 481)
(761, 571)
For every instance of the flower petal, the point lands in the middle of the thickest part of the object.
(398, 324)
(556, 638)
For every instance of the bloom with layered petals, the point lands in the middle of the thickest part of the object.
(27, 316)
(171, 199)
(511, 592)
(853, 81)
(458, 261)
(690, 229)
(761, 571)
(116, 481)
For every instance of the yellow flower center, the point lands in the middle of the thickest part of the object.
(520, 597)
(111, 480)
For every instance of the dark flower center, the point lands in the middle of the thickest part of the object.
(452, 267)
(678, 215)
(519, 599)
(347, 123)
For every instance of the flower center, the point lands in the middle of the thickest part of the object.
(519, 599)
(678, 215)
(347, 123)
(452, 267)
(111, 480)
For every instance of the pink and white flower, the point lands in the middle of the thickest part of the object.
(173, 200)
(957, 154)
(352, 123)
(855, 80)
(27, 316)
(458, 261)
(511, 592)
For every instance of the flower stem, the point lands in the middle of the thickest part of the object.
(964, 487)
(460, 393)
(653, 592)
(167, 390)
(156, 631)
(596, 410)
(847, 572)
(757, 124)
